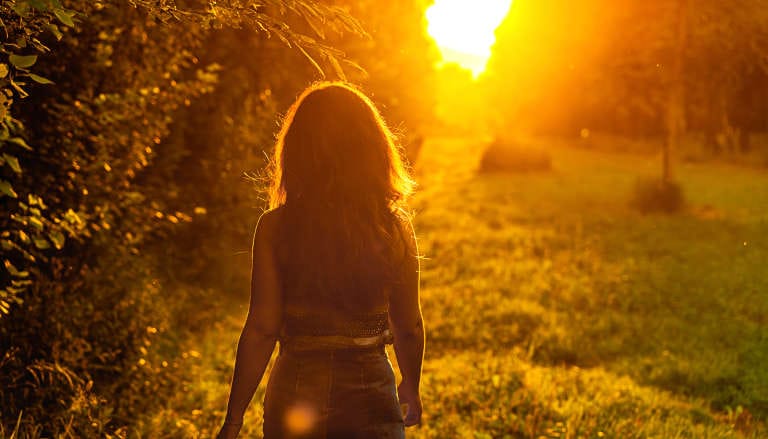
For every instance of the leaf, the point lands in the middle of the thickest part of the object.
(41, 243)
(64, 17)
(35, 200)
(19, 141)
(38, 4)
(22, 61)
(316, 27)
(36, 223)
(13, 162)
(39, 79)
(312, 60)
(73, 218)
(7, 189)
(57, 238)
(55, 31)
(18, 89)
(23, 237)
(11, 268)
(3, 70)
(357, 67)
(20, 8)
(337, 67)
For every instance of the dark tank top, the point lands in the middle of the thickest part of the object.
(310, 323)
(313, 317)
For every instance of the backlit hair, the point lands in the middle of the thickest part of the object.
(339, 176)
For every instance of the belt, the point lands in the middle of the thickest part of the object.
(333, 342)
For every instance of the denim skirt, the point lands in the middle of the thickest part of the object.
(332, 394)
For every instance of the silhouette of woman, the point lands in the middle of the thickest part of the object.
(335, 276)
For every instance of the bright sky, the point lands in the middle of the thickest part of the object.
(464, 30)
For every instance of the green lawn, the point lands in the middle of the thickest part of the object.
(554, 310)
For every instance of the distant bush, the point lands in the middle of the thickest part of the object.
(507, 156)
(656, 195)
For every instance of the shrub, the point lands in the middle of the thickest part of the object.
(656, 195)
(506, 156)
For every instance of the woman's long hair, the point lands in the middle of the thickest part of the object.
(340, 179)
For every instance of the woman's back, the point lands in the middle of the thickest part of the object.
(348, 302)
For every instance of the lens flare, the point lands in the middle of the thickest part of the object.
(464, 30)
(300, 418)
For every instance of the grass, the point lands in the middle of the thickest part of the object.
(555, 310)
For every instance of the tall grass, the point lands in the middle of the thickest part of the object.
(555, 310)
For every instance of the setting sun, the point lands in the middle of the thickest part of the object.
(464, 30)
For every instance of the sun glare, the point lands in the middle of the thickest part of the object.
(464, 30)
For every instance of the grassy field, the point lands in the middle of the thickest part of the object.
(554, 310)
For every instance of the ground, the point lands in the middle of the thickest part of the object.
(555, 310)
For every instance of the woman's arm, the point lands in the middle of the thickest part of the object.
(261, 328)
(408, 330)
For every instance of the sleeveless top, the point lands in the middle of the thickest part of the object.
(323, 326)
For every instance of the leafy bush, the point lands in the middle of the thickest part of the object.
(91, 325)
(507, 156)
(656, 195)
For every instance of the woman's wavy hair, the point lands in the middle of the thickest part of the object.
(340, 178)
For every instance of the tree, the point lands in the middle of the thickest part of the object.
(660, 69)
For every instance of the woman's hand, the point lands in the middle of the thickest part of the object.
(412, 399)
(229, 431)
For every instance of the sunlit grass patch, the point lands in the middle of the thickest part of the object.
(552, 309)
(594, 401)
(198, 408)
(503, 395)
(622, 291)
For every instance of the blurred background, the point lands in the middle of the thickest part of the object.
(592, 206)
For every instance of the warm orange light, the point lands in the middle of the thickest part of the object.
(300, 418)
(464, 30)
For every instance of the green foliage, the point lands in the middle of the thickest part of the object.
(22, 62)
(29, 224)
(76, 227)
(89, 93)
(125, 130)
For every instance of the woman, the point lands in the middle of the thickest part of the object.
(335, 276)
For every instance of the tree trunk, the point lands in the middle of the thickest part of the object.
(676, 96)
